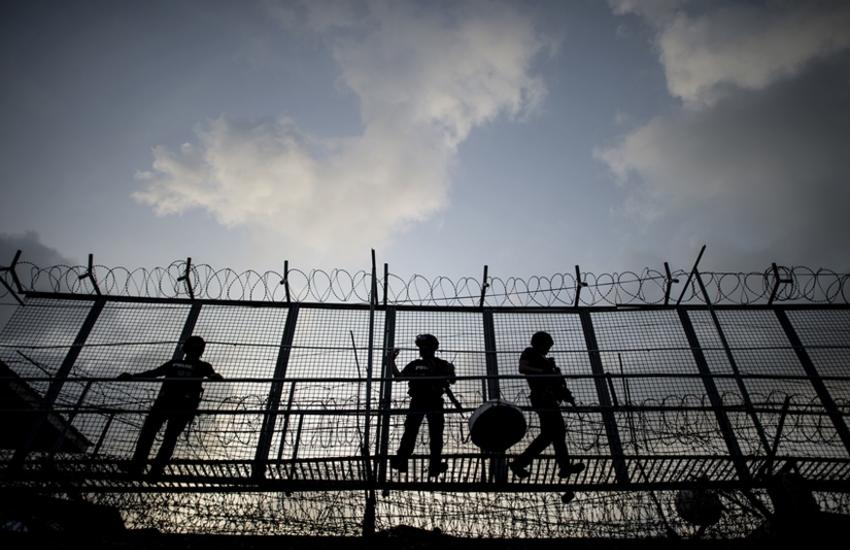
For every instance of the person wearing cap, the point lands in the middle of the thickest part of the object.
(428, 378)
(176, 403)
(548, 390)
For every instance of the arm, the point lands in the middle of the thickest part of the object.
(214, 375)
(452, 376)
(152, 373)
(391, 360)
(525, 367)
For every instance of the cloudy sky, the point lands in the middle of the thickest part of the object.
(530, 136)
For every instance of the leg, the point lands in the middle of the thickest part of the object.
(411, 429)
(436, 425)
(177, 422)
(552, 424)
(150, 427)
(543, 410)
(408, 439)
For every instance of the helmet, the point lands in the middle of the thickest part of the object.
(542, 339)
(194, 345)
(427, 341)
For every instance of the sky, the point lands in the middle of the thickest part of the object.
(528, 136)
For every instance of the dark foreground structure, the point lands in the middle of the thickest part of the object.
(708, 406)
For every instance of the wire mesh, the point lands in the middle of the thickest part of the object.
(668, 429)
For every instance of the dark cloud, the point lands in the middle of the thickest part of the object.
(33, 251)
(761, 175)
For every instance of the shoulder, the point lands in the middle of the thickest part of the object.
(528, 354)
(412, 365)
(206, 367)
(443, 364)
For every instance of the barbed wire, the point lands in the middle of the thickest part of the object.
(418, 517)
(645, 287)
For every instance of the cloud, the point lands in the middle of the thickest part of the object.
(747, 46)
(759, 172)
(424, 79)
(33, 250)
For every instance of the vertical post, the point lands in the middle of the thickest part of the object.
(56, 385)
(498, 465)
(285, 422)
(691, 275)
(490, 356)
(89, 274)
(814, 377)
(273, 401)
(373, 300)
(777, 280)
(187, 278)
(608, 417)
(369, 513)
(386, 282)
(714, 397)
(668, 283)
(285, 280)
(386, 395)
(484, 285)
(579, 285)
(188, 329)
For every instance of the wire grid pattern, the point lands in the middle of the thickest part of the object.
(653, 344)
(125, 338)
(759, 347)
(826, 336)
(245, 341)
(38, 336)
(585, 430)
(461, 337)
(242, 342)
(331, 419)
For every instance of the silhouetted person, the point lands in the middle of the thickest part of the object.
(176, 403)
(429, 377)
(548, 389)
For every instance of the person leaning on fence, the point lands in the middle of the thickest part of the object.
(176, 404)
(428, 378)
(548, 389)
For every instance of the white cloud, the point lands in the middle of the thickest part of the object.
(424, 79)
(746, 46)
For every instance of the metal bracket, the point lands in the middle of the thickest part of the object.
(579, 285)
(185, 277)
(691, 275)
(285, 280)
(18, 286)
(484, 285)
(89, 274)
(777, 280)
(668, 283)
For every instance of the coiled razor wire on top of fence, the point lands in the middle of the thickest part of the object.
(646, 287)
